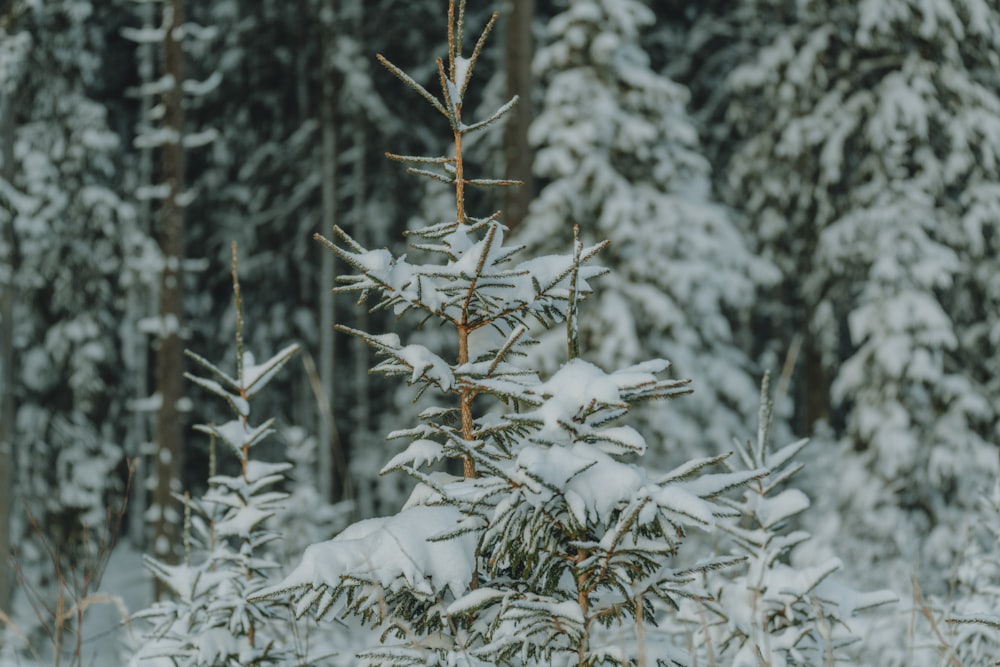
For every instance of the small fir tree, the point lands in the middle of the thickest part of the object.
(552, 543)
(776, 610)
(209, 622)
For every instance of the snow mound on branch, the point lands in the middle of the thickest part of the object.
(395, 552)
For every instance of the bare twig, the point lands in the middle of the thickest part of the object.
(323, 405)
(74, 583)
(925, 610)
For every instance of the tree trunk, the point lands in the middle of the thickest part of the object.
(516, 150)
(353, 17)
(170, 357)
(7, 292)
(815, 388)
(361, 388)
(139, 308)
(328, 101)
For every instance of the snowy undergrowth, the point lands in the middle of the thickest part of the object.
(779, 608)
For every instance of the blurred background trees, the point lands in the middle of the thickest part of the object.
(809, 188)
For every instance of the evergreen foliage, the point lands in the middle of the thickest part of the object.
(443, 576)
(971, 624)
(209, 622)
(866, 137)
(554, 543)
(72, 235)
(778, 610)
(853, 144)
(622, 159)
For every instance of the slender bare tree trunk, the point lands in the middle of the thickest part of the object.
(7, 293)
(815, 387)
(328, 101)
(139, 307)
(170, 358)
(304, 409)
(516, 150)
(360, 390)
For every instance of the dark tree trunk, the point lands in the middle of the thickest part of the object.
(140, 307)
(327, 362)
(815, 388)
(517, 152)
(7, 292)
(170, 357)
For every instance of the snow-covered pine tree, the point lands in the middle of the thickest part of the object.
(483, 153)
(618, 155)
(552, 543)
(867, 137)
(775, 609)
(225, 557)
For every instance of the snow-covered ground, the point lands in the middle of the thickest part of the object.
(128, 588)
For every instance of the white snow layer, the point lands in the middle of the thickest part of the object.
(394, 552)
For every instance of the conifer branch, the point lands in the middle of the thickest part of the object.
(409, 81)
(474, 58)
(453, 103)
(492, 182)
(419, 158)
(572, 324)
(239, 316)
(431, 174)
(505, 349)
(219, 373)
(487, 246)
(497, 115)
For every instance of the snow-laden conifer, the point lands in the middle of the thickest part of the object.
(553, 542)
(866, 137)
(208, 621)
(621, 158)
(66, 232)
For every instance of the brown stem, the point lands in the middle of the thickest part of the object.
(582, 599)
(170, 356)
(459, 168)
(469, 468)
(57, 626)
(465, 400)
(640, 632)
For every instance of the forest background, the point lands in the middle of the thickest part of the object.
(810, 188)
